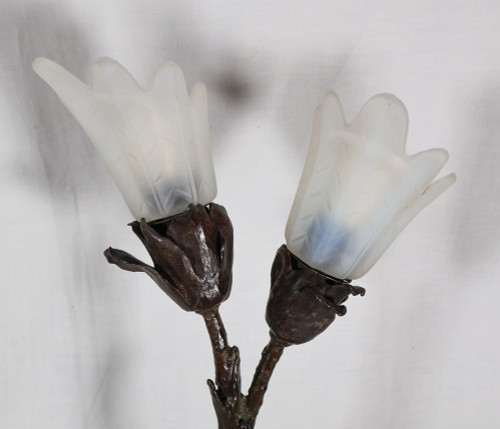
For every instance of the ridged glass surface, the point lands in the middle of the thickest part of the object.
(359, 188)
(154, 142)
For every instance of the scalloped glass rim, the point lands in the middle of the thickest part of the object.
(359, 188)
(154, 142)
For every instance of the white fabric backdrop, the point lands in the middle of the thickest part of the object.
(86, 345)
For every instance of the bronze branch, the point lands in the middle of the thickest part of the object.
(192, 255)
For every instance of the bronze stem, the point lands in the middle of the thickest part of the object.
(270, 357)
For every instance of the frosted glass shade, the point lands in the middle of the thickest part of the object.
(359, 188)
(155, 142)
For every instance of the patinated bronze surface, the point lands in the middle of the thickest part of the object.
(303, 302)
(234, 409)
(193, 255)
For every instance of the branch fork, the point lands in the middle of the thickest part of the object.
(192, 255)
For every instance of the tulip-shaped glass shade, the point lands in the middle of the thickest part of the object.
(359, 188)
(155, 142)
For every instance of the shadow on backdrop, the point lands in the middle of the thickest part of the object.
(306, 84)
(227, 71)
(71, 167)
(475, 224)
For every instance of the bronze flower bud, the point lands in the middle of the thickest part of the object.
(192, 254)
(303, 302)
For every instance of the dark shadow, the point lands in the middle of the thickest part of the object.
(68, 158)
(60, 153)
(228, 73)
(297, 105)
(477, 193)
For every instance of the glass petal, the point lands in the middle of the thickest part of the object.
(383, 120)
(153, 142)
